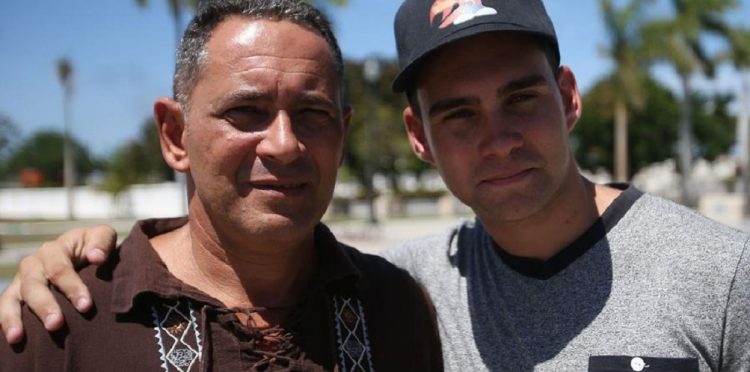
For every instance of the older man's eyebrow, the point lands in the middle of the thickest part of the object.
(245, 95)
(451, 103)
(523, 83)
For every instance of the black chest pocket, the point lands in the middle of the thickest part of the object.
(620, 363)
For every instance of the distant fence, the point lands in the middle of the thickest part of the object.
(140, 201)
(166, 200)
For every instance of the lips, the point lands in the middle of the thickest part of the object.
(291, 186)
(278, 185)
(506, 177)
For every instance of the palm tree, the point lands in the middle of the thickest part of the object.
(680, 42)
(623, 28)
(740, 55)
(65, 75)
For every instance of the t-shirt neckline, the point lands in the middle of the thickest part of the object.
(540, 269)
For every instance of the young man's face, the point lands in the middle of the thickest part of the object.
(265, 130)
(494, 119)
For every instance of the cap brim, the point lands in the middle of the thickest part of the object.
(407, 74)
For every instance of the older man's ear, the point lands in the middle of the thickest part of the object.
(170, 120)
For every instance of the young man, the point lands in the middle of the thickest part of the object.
(556, 273)
(250, 280)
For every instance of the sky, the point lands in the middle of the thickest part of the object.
(123, 58)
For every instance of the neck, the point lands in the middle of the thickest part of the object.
(567, 216)
(245, 275)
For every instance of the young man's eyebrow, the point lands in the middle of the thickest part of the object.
(450, 103)
(316, 99)
(518, 84)
(523, 83)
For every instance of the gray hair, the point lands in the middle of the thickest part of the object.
(192, 54)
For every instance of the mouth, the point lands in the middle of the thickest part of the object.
(278, 187)
(507, 178)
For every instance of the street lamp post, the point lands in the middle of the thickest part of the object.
(65, 74)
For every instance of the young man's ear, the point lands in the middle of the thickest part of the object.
(571, 96)
(417, 138)
(170, 120)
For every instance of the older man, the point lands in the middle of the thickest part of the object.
(556, 273)
(250, 280)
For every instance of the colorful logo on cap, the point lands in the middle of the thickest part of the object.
(455, 12)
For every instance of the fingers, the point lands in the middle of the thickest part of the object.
(36, 293)
(88, 245)
(10, 312)
(100, 242)
(60, 258)
(52, 265)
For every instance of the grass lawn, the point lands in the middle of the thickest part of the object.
(7, 271)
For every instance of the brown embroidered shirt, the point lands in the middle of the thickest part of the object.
(359, 313)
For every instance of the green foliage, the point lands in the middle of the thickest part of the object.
(9, 134)
(154, 166)
(138, 161)
(680, 40)
(625, 47)
(376, 134)
(44, 151)
(653, 129)
(715, 127)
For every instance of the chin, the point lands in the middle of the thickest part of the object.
(281, 225)
(511, 207)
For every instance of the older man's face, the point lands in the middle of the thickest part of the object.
(265, 130)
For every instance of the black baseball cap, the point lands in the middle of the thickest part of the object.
(422, 26)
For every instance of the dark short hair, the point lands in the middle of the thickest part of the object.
(549, 50)
(192, 54)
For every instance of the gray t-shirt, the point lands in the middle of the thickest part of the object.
(651, 286)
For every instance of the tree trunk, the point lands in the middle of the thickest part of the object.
(621, 142)
(685, 141)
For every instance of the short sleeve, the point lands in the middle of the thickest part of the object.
(736, 341)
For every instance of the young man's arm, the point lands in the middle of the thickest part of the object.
(54, 263)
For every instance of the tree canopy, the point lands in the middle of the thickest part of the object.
(654, 126)
(137, 161)
(44, 152)
(377, 133)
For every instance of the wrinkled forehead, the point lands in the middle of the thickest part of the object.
(243, 39)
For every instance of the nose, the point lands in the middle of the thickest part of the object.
(501, 136)
(279, 144)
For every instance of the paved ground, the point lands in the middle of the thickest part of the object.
(366, 237)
